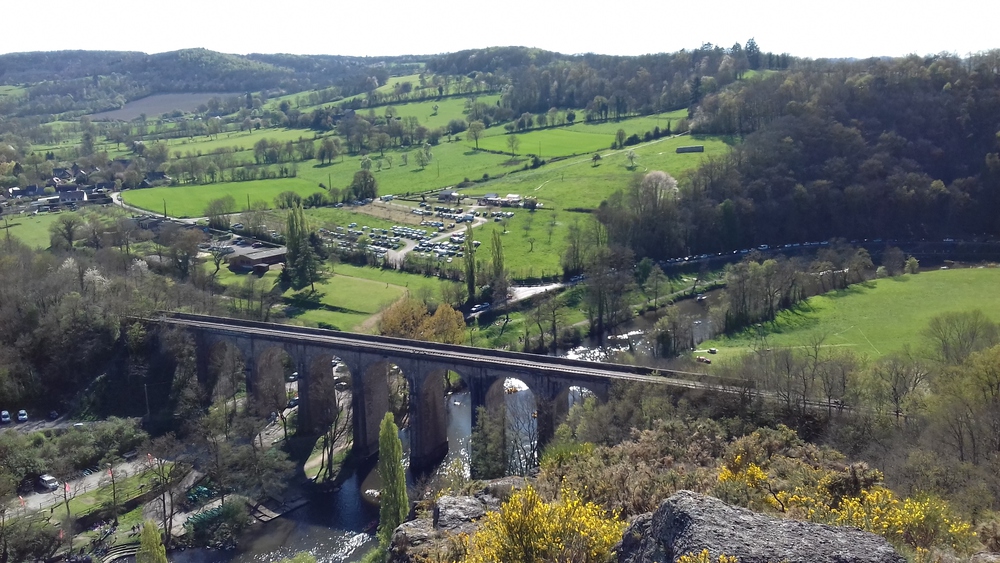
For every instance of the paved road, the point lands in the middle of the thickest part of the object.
(79, 486)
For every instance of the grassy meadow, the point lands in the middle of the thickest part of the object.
(32, 230)
(576, 139)
(879, 317)
(348, 298)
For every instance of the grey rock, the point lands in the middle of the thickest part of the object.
(458, 514)
(428, 538)
(985, 557)
(690, 522)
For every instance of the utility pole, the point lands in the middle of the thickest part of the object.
(164, 209)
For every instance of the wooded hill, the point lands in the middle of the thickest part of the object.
(92, 81)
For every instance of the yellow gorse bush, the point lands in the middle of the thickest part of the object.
(915, 522)
(527, 530)
(705, 557)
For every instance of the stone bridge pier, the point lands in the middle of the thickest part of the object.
(265, 358)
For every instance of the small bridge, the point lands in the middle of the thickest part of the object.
(423, 365)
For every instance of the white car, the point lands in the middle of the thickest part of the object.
(48, 482)
(22, 415)
(4, 417)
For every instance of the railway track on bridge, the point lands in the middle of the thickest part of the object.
(501, 359)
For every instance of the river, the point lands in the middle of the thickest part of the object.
(631, 334)
(334, 527)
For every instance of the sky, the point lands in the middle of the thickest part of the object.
(814, 29)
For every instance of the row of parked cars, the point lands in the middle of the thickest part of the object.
(22, 416)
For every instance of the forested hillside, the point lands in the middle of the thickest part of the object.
(92, 81)
(610, 86)
(881, 148)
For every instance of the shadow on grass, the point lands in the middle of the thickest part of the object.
(854, 289)
(312, 301)
(730, 140)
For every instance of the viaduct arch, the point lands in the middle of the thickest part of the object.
(421, 364)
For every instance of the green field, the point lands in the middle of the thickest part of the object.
(241, 140)
(191, 201)
(576, 184)
(878, 317)
(451, 164)
(576, 139)
(11, 91)
(349, 297)
(340, 300)
(32, 230)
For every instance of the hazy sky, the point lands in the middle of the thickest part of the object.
(821, 28)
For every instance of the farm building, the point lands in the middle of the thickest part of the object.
(265, 257)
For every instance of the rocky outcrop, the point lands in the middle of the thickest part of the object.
(689, 522)
(427, 538)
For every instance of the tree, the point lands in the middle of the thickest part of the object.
(500, 278)
(393, 502)
(470, 264)
(287, 200)
(595, 159)
(403, 319)
(513, 142)
(364, 185)
(655, 282)
(954, 336)
(64, 230)
(446, 325)
(151, 548)
(218, 211)
(894, 261)
(488, 444)
(300, 259)
(165, 458)
(630, 156)
(620, 136)
(752, 52)
(475, 132)
(912, 266)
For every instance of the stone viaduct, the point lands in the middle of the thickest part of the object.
(422, 364)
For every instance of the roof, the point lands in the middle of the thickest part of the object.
(491, 196)
(268, 253)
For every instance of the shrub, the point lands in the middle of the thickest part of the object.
(528, 530)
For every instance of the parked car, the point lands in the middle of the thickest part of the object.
(22, 415)
(53, 415)
(4, 417)
(48, 482)
(293, 402)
